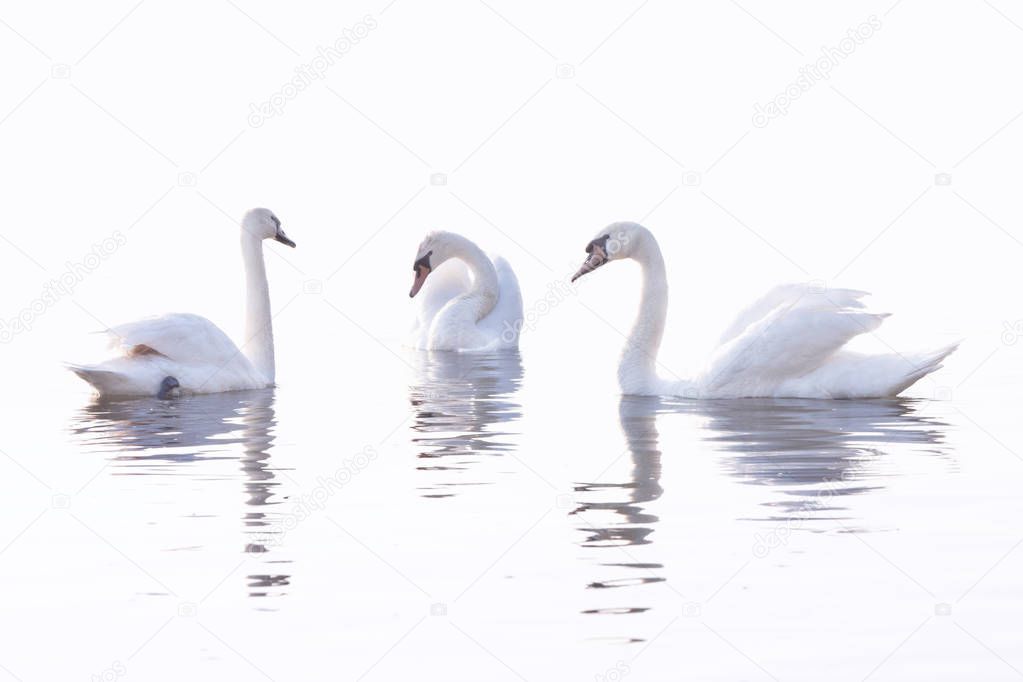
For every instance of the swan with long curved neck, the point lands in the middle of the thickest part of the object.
(468, 301)
(788, 344)
(186, 354)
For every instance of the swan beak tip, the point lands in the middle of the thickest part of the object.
(588, 267)
(422, 272)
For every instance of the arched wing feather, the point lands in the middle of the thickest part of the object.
(182, 337)
(803, 330)
(790, 295)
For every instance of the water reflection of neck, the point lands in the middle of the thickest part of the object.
(638, 418)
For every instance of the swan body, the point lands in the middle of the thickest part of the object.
(788, 344)
(468, 301)
(181, 353)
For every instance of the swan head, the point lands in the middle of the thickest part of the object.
(436, 248)
(617, 241)
(261, 223)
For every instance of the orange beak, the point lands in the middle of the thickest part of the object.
(422, 272)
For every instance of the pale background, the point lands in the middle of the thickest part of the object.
(535, 164)
(526, 126)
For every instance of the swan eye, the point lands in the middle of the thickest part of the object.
(601, 242)
(276, 220)
(423, 262)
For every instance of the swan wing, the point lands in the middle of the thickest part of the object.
(856, 375)
(787, 295)
(504, 323)
(795, 337)
(182, 337)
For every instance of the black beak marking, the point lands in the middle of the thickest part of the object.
(423, 262)
(602, 243)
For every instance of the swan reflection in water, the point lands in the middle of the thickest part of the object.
(463, 404)
(189, 436)
(818, 451)
(615, 514)
(806, 450)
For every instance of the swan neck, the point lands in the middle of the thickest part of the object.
(258, 344)
(637, 372)
(485, 290)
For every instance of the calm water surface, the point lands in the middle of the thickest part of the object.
(466, 520)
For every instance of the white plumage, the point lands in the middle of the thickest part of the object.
(468, 301)
(189, 351)
(187, 347)
(791, 343)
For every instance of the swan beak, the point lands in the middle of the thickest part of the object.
(422, 272)
(283, 239)
(598, 257)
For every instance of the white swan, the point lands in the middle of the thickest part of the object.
(186, 354)
(788, 344)
(457, 313)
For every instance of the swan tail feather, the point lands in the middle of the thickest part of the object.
(105, 381)
(928, 364)
(922, 365)
(849, 375)
(136, 376)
